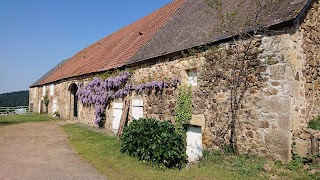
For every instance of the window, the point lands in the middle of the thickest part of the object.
(192, 77)
(43, 90)
(52, 90)
(137, 108)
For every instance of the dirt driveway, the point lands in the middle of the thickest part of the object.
(40, 151)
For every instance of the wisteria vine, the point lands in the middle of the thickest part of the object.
(99, 92)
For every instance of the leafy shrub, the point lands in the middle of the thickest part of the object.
(296, 163)
(315, 123)
(155, 142)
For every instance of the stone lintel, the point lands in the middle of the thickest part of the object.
(198, 120)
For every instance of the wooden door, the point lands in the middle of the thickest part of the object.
(117, 113)
(137, 108)
(194, 143)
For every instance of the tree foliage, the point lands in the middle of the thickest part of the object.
(13, 99)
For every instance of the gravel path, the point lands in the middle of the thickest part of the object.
(40, 151)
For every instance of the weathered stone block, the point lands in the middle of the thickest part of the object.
(264, 105)
(250, 134)
(284, 122)
(280, 141)
(264, 124)
(316, 85)
(198, 120)
(280, 105)
(304, 136)
(252, 78)
(295, 88)
(275, 83)
(278, 71)
(302, 147)
(273, 91)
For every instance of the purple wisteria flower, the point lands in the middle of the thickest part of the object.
(100, 92)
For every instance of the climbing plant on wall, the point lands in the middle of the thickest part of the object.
(46, 102)
(100, 92)
(183, 110)
(237, 66)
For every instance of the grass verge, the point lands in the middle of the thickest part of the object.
(15, 119)
(103, 152)
(315, 123)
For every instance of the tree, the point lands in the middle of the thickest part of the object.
(19, 98)
(234, 65)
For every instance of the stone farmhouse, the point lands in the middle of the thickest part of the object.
(275, 111)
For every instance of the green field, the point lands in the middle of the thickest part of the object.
(15, 119)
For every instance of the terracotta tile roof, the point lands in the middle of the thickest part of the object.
(116, 49)
(180, 25)
(193, 26)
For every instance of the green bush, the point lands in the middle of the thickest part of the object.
(155, 142)
(296, 163)
(315, 123)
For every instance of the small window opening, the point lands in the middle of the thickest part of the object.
(192, 77)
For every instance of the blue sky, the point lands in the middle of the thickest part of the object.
(35, 35)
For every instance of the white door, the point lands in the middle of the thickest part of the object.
(194, 143)
(54, 106)
(117, 113)
(40, 104)
(137, 108)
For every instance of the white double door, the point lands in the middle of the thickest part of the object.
(137, 112)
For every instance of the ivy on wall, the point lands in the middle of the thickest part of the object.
(183, 110)
(46, 102)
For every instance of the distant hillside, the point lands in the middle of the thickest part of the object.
(19, 98)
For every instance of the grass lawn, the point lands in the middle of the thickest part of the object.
(15, 119)
(103, 152)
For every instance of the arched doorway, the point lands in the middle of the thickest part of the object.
(73, 88)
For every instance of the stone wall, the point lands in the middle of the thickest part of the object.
(310, 29)
(309, 78)
(158, 105)
(61, 96)
(274, 111)
(265, 118)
